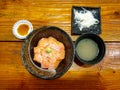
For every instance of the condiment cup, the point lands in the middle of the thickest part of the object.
(22, 28)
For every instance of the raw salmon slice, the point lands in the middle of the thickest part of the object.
(49, 53)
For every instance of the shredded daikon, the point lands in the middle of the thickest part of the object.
(84, 18)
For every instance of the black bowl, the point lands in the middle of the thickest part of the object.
(101, 46)
(31, 42)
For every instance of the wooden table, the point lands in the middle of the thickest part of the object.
(13, 75)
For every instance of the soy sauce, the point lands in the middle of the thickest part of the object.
(23, 29)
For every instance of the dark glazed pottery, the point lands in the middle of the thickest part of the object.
(31, 42)
(101, 46)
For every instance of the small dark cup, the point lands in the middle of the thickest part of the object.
(101, 47)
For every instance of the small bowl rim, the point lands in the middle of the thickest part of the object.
(17, 24)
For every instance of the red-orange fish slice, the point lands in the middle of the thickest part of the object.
(49, 53)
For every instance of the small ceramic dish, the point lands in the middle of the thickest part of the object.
(31, 42)
(85, 20)
(22, 28)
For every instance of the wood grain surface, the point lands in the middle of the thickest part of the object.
(98, 77)
(57, 13)
(102, 76)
